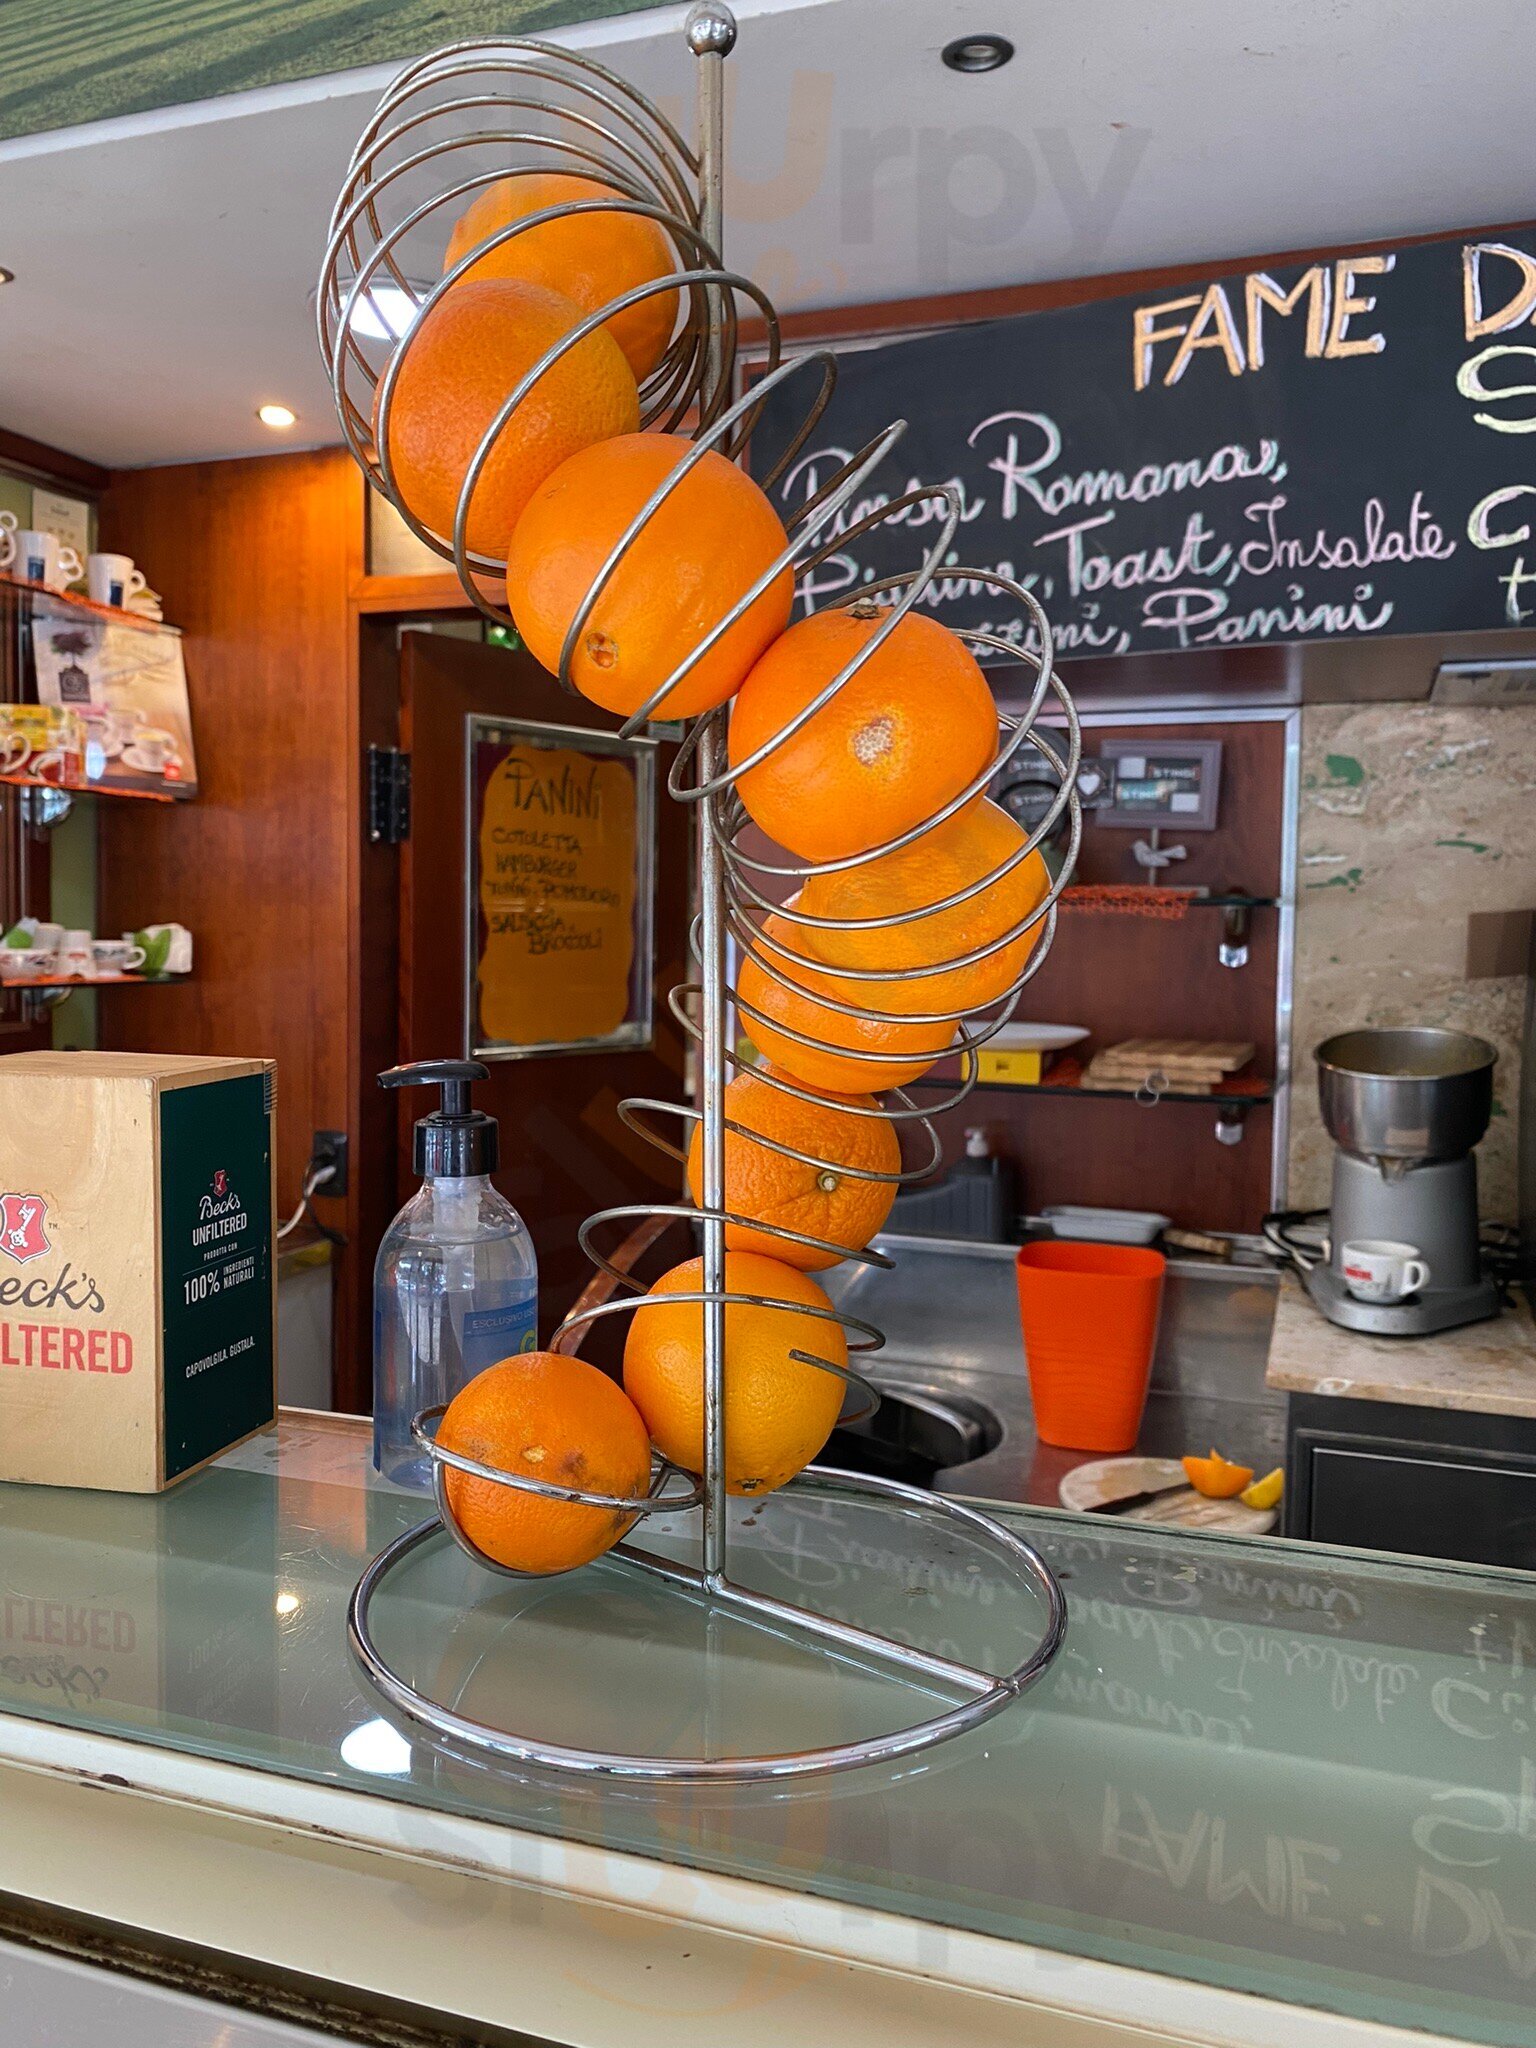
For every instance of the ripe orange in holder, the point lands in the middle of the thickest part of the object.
(778, 1410)
(589, 258)
(903, 736)
(828, 1201)
(544, 1416)
(697, 555)
(956, 855)
(462, 361)
(904, 1050)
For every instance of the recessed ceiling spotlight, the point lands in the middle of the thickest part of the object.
(977, 53)
(276, 416)
(7, 276)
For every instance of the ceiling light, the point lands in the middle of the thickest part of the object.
(7, 276)
(977, 53)
(276, 416)
(384, 311)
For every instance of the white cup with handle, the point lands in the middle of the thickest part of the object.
(26, 963)
(112, 579)
(1380, 1269)
(112, 957)
(150, 749)
(43, 558)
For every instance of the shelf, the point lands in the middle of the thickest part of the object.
(1243, 1091)
(1076, 897)
(172, 795)
(31, 984)
(80, 607)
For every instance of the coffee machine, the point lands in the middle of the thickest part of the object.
(1405, 1109)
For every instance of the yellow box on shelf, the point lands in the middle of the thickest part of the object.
(1019, 1055)
(1010, 1069)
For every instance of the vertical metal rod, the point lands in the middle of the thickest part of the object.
(712, 1127)
(711, 31)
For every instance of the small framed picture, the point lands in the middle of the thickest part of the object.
(1161, 781)
(561, 874)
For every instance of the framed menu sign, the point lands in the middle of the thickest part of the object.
(560, 861)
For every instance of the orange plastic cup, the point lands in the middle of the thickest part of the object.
(1089, 1313)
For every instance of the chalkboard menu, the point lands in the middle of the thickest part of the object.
(1305, 453)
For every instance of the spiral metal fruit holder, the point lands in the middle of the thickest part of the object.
(494, 108)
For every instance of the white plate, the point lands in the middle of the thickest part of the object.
(1036, 1037)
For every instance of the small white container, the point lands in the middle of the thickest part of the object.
(1105, 1226)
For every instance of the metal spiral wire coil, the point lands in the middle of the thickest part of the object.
(483, 98)
(547, 108)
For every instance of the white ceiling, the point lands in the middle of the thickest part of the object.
(164, 264)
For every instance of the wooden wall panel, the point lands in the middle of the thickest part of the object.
(255, 560)
(1133, 977)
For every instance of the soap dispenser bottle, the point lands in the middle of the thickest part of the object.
(455, 1286)
(986, 1191)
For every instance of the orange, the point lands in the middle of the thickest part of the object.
(905, 1050)
(462, 362)
(589, 257)
(965, 849)
(548, 1417)
(778, 1411)
(1215, 1477)
(698, 554)
(909, 731)
(826, 1201)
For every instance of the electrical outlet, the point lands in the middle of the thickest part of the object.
(329, 1149)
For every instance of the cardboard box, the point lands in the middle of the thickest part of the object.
(137, 1277)
(1017, 1069)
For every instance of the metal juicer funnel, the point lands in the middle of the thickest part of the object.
(1402, 1097)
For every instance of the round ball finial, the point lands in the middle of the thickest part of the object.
(710, 29)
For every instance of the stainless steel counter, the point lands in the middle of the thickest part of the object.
(954, 1351)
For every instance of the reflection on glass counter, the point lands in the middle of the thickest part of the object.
(1305, 1776)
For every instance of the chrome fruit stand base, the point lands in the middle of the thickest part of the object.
(469, 109)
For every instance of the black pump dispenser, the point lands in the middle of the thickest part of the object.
(455, 1141)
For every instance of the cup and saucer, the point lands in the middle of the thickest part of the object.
(150, 751)
(1380, 1269)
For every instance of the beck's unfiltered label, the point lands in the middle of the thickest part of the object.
(136, 1265)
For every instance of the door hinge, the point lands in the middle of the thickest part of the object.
(389, 796)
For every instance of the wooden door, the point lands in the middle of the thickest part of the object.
(564, 1152)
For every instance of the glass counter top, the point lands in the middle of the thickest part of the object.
(1308, 1775)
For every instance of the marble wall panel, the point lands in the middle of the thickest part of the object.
(1412, 817)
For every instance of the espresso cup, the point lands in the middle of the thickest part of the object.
(112, 579)
(115, 956)
(43, 558)
(75, 955)
(26, 963)
(1378, 1269)
(154, 747)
